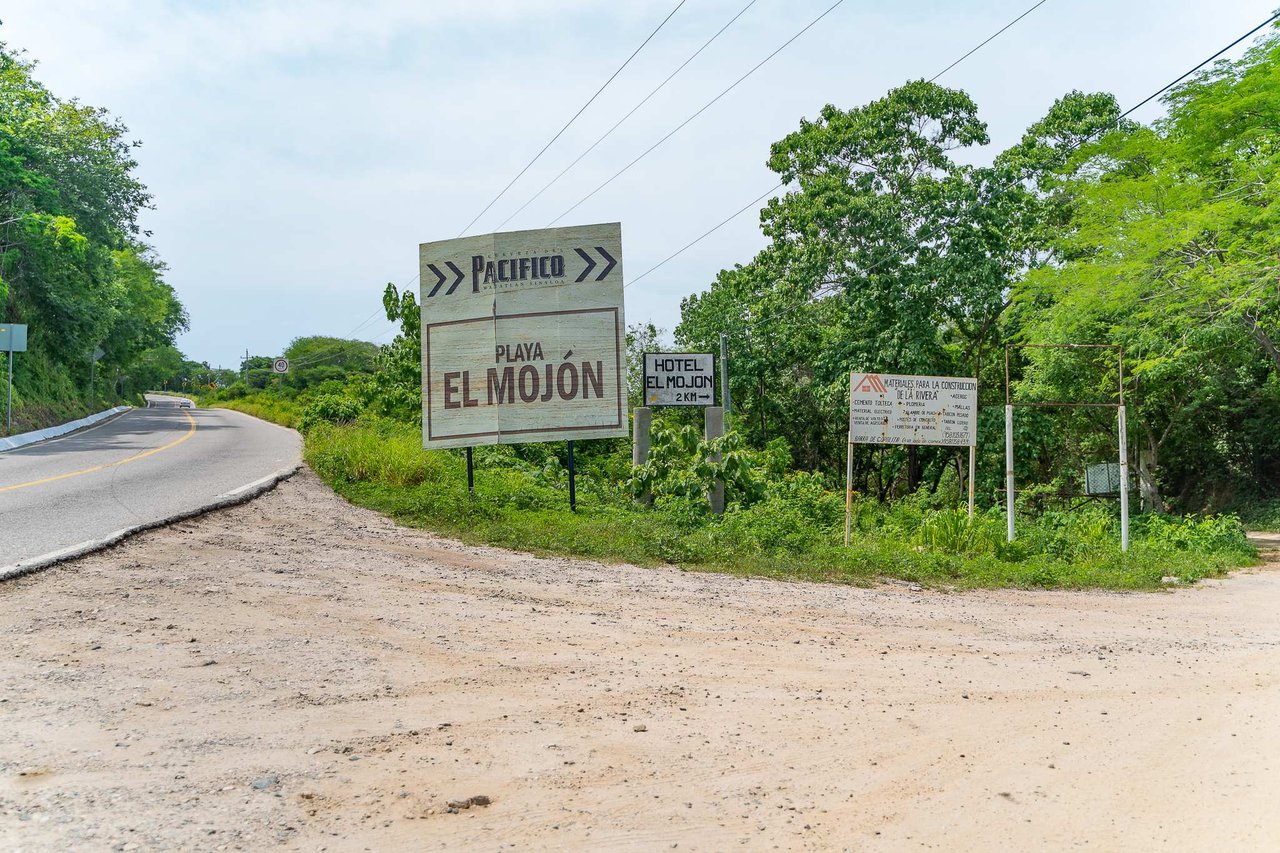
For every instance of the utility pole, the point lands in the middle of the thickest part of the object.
(244, 368)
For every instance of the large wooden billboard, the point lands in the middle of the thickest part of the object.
(523, 337)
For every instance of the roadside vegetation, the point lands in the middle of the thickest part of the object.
(888, 255)
(780, 524)
(74, 264)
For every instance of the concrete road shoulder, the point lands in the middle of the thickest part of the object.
(240, 495)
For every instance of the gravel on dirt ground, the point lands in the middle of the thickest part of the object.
(298, 672)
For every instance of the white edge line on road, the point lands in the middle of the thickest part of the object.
(238, 496)
(247, 487)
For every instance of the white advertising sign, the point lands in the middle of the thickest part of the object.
(679, 379)
(889, 409)
(523, 337)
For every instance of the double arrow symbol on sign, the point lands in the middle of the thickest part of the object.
(443, 278)
(591, 264)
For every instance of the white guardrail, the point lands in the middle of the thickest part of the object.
(23, 439)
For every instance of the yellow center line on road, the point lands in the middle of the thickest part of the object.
(143, 455)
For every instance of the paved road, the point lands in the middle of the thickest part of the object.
(144, 466)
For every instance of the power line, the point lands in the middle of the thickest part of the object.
(1070, 150)
(1188, 73)
(365, 322)
(700, 111)
(779, 186)
(988, 40)
(714, 228)
(633, 110)
(572, 120)
(340, 349)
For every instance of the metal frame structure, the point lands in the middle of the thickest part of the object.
(1121, 428)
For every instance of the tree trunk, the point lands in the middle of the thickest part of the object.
(1263, 339)
(937, 478)
(764, 423)
(1151, 498)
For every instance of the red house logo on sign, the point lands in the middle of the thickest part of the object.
(870, 382)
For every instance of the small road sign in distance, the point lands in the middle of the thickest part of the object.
(280, 365)
(679, 379)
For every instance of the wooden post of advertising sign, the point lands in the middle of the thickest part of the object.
(890, 409)
(523, 337)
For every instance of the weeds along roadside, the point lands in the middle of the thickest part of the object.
(780, 525)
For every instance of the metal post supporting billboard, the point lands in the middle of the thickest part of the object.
(1124, 479)
(973, 453)
(848, 490)
(573, 484)
(1121, 426)
(1008, 467)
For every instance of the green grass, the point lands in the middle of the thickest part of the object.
(795, 533)
(283, 412)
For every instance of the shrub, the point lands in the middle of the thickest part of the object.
(1205, 534)
(953, 532)
(329, 408)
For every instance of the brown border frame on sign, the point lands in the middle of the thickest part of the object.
(617, 348)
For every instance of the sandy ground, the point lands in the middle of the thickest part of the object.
(300, 673)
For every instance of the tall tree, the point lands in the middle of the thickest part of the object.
(1171, 249)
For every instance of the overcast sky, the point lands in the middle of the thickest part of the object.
(299, 152)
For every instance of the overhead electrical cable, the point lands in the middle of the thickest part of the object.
(632, 112)
(988, 40)
(713, 229)
(779, 186)
(700, 111)
(572, 120)
(339, 349)
(1070, 150)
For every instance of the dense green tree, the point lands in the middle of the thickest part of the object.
(395, 389)
(889, 255)
(1170, 248)
(72, 265)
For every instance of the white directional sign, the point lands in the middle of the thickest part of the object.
(280, 365)
(890, 409)
(523, 337)
(679, 379)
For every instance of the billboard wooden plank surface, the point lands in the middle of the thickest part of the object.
(523, 337)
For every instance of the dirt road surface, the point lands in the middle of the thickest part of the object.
(297, 672)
